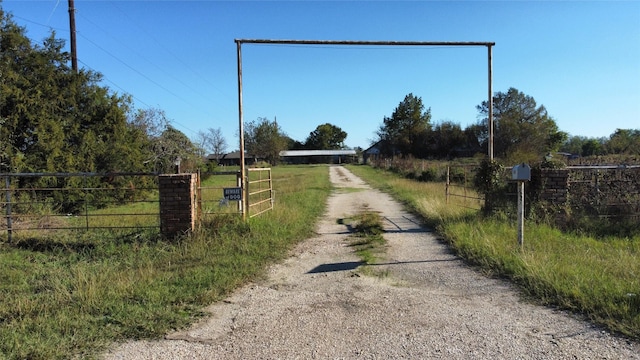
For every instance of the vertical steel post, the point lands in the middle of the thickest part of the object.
(198, 202)
(7, 182)
(246, 193)
(447, 185)
(490, 125)
(520, 213)
(86, 201)
(464, 171)
(239, 184)
(241, 130)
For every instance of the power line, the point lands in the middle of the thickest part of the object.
(39, 24)
(136, 70)
(134, 51)
(168, 51)
(122, 62)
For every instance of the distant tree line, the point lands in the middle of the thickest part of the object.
(265, 138)
(621, 142)
(523, 131)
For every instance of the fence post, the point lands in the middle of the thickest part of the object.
(198, 202)
(8, 208)
(447, 185)
(86, 201)
(245, 200)
(241, 202)
(464, 170)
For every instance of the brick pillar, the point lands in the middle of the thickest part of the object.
(177, 204)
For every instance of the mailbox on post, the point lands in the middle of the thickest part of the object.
(521, 172)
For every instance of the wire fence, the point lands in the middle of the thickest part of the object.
(459, 184)
(611, 192)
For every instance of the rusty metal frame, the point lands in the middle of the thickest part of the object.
(239, 43)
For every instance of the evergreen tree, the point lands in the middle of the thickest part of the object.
(405, 132)
(326, 137)
(520, 126)
(54, 119)
(264, 138)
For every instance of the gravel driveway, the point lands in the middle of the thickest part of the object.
(315, 305)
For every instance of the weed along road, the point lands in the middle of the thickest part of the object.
(413, 300)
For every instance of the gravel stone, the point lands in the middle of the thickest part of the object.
(317, 305)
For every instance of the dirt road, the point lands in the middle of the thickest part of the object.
(315, 305)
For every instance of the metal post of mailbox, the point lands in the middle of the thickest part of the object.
(520, 212)
(521, 173)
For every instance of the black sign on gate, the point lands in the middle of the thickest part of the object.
(233, 194)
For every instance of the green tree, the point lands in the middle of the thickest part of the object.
(520, 126)
(624, 141)
(54, 119)
(165, 144)
(264, 138)
(407, 128)
(574, 145)
(447, 139)
(591, 147)
(173, 145)
(213, 142)
(326, 137)
(294, 144)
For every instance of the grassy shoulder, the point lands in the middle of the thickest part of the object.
(599, 278)
(73, 295)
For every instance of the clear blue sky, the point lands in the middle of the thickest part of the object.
(580, 59)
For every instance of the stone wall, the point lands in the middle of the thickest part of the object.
(177, 204)
(554, 186)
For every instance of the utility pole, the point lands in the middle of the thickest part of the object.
(72, 26)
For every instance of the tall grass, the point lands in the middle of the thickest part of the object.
(72, 295)
(596, 277)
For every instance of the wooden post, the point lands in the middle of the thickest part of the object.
(72, 28)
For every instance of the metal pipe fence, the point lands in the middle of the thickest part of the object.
(210, 194)
(260, 191)
(213, 201)
(35, 202)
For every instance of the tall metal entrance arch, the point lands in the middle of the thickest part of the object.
(239, 43)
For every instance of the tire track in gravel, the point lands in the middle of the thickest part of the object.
(316, 305)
